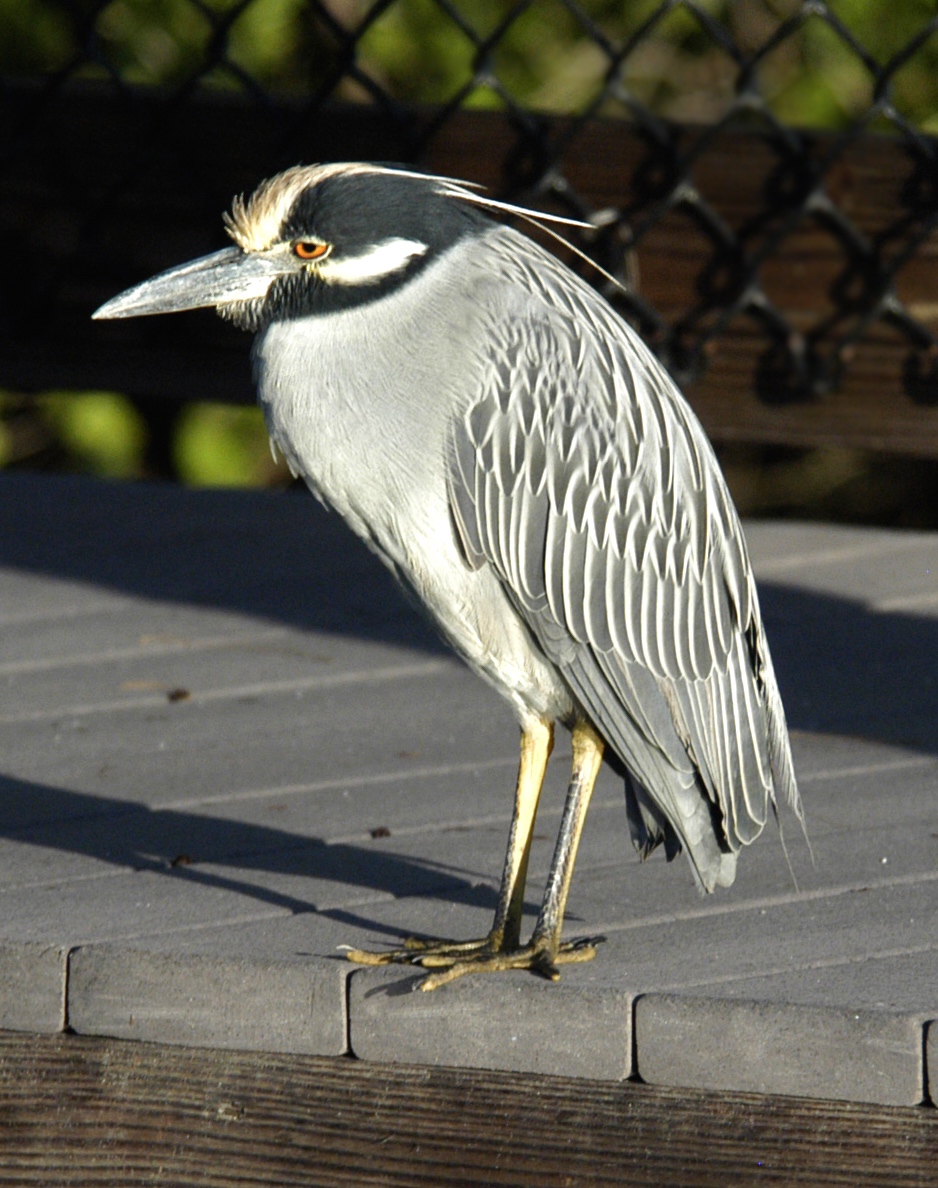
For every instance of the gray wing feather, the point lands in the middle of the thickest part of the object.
(581, 476)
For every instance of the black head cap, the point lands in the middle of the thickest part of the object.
(374, 227)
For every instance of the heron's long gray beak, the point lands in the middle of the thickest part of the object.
(228, 275)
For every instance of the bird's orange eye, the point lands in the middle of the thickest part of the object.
(305, 249)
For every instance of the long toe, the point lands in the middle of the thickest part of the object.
(421, 952)
(582, 949)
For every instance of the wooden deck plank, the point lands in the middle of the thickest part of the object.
(81, 1111)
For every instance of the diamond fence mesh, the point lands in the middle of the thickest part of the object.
(759, 174)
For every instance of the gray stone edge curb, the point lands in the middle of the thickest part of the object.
(33, 986)
(195, 1000)
(515, 1022)
(830, 1053)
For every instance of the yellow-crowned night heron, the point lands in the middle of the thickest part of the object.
(509, 447)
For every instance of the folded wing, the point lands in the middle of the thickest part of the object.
(580, 475)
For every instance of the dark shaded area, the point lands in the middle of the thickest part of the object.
(812, 242)
(842, 668)
(276, 555)
(831, 484)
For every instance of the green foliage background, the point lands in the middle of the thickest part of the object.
(545, 59)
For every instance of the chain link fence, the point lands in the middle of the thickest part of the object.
(765, 141)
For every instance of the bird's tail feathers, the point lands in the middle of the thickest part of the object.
(650, 827)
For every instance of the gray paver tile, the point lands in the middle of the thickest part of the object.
(512, 1021)
(202, 1001)
(151, 766)
(895, 982)
(278, 938)
(139, 838)
(626, 893)
(221, 660)
(897, 793)
(683, 953)
(193, 749)
(32, 987)
(25, 863)
(26, 598)
(121, 626)
(764, 1047)
(383, 925)
(352, 806)
(873, 565)
(318, 877)
(831, 755)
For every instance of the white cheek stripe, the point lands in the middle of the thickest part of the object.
(380, 261)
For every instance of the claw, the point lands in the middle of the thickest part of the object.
(365, 957)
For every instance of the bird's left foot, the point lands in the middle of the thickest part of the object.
(455, 959)
(416, 951)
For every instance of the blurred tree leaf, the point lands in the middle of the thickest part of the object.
(102, 432)
(219, 445)
(547, 54)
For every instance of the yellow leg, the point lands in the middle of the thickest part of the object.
(544, 952)
(587, 759)
(537, 742)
